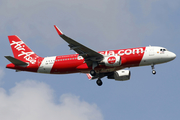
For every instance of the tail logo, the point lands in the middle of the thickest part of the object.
(20, 47)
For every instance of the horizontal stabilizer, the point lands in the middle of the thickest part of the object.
(16, 61)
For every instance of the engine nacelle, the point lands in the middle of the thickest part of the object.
(112, 61)
(120, 75)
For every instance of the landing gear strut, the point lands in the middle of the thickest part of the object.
(93, 72)
(99, 82)
(153, 71)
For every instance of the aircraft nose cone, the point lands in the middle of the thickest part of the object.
(173, 56)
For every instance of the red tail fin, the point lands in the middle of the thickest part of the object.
(21, 51)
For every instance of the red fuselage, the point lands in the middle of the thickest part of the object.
(74, 63)
(97, 64)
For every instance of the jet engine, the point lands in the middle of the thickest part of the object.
(120, 75)
(112, 61)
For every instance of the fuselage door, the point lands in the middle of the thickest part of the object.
(151, 51)
(39, 61)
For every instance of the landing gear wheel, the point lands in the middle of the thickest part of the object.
(154, 72)
(93, 72)
(99, 82)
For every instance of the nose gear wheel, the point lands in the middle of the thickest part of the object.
(153, 71)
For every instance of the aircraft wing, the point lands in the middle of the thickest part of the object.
(87, 53)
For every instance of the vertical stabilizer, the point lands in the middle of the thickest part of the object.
(21, 51)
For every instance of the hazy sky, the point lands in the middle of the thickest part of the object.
(100, 25)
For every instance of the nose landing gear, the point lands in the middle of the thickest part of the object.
(99, 82)
(153, 71)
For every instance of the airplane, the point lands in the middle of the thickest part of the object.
(96, 65)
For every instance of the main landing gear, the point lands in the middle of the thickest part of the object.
(99, 82)
(93, 72)
(153, 71)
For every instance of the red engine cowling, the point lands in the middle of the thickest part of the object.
(120, 75)
(112, 61)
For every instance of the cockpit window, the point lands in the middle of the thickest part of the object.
(163, 50)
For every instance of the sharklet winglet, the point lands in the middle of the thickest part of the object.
(58, 30)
